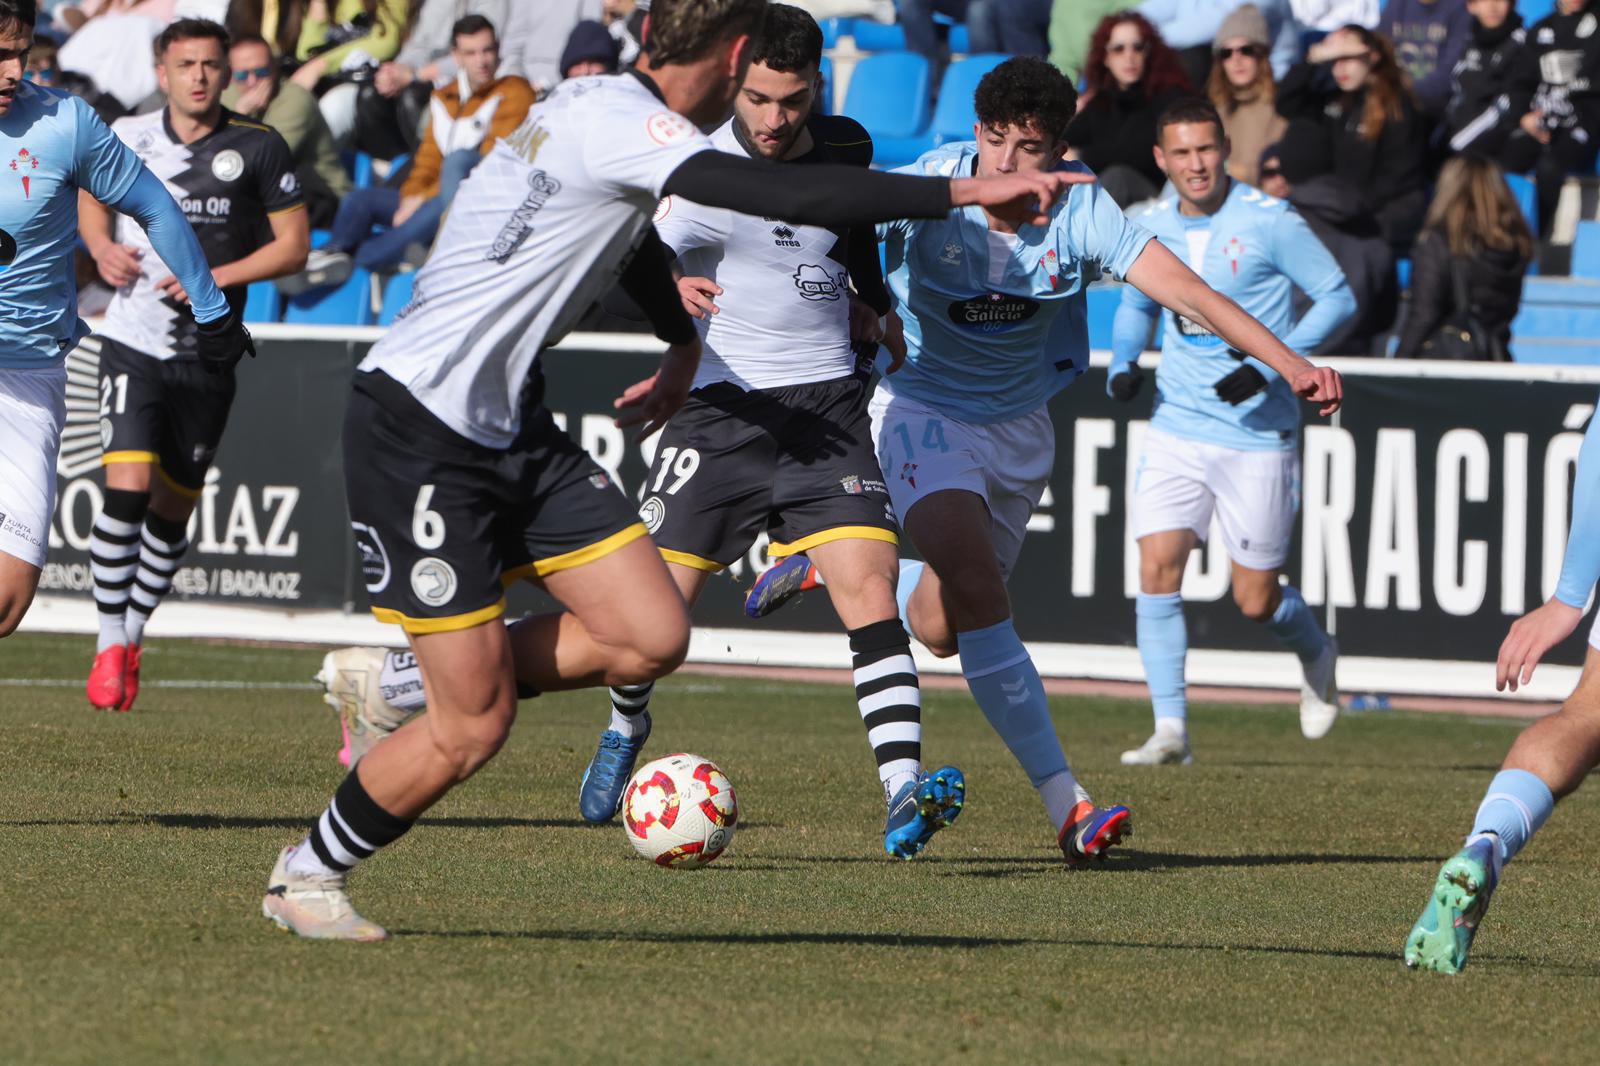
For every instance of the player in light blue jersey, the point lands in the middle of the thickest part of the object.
(1548, 761)
(51, 146)
(1224, 439)
(995, 323)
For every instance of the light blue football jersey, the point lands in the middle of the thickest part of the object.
(51, 145)
(1255, 249)
(996, 323)
(1580, 567)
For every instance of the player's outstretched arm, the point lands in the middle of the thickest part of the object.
(1164, 278)
(648, 281)
(841, 195)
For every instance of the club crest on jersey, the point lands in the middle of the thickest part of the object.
(851, 484)
(228, 165)
(433, 581)
(908, 474)
(599, 481)
(24, 164)
(816, 284)
(1234, 251)
(784, 237)
(1052, 268)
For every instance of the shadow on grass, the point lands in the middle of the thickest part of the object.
(1128, 859)
(888, 940)
(230, 821)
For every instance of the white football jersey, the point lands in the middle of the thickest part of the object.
(785, 309)
(535, 235)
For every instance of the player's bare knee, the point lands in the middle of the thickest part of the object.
(942, 648)
(1159, 577)
(1256, 605)
(470, 741)
(653, 653)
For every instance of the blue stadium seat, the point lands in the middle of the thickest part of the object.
(889, 95)
(1402, 273)
(1586, 251)
(960, 43)
(1558, 321)
(361, 169)
(349, 304)
(1527, 198)
(876, 37)
(833, 29)
(396, 294)
(954, 117)
(261, 302)
(1534, 10)
(825, 102)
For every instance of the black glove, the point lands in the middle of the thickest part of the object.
(1240, 385)
(222, 343)
(1126, 385)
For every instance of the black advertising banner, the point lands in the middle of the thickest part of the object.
(1434, 509)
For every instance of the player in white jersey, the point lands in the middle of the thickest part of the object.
(1224, 438)
(161, 414)
(459, 482)
(994, 320)
(54, 146)
(775, 436)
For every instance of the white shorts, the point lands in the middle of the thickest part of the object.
(923, 451)
(1254, 494)
(33, 408)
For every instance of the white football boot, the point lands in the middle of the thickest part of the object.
(1162, 749)
(1319, 694)
(350, 679)
(314, 907)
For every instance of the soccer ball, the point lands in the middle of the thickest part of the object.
(680, 811)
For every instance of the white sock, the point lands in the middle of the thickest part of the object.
(1061, 793)
(1175, 728)
(628, 706)
(305, 862)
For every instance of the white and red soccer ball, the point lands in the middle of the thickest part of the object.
(680, 811)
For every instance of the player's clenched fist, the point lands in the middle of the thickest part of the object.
(222, 342)
(1320, 384)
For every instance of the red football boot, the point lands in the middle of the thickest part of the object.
(105, 679)
(130, 678)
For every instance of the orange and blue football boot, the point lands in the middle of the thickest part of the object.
(782, 582)
(1090, 831)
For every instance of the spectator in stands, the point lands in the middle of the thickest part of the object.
(541, 53)
(1325, 16)
(111, 42)
(1362, 126)
(259, 93)
(923, 36)
(1561, 133)
(460, 132)
(278, 21)
(42, 68)
(1489, 95)
(342, 45)
(1243, 91)
(1428, 37)
(1132, 77)
(590, 50)
(425, 56)
(1467, 268)
(1021, 27)
(618, 19)
(1072, 25)
(1345, 225)
(1190, 26)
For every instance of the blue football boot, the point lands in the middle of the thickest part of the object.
(1443, 934)
(782, 582)
(607, 775)
(921, 808)
(1091, 830)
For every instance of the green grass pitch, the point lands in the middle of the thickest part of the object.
(1257, 914)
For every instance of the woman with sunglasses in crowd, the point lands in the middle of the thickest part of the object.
(1132, 76)
(1243, 91)
(1367, 130)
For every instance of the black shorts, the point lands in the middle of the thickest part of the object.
(169, 412)
(796, 462)
(444, 525)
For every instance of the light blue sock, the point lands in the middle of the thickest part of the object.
(1515, 806)
(1163, 645)
(910, 574)
(1296, 627)
(1003, 680)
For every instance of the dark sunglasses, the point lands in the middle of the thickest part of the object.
(1252, 51)
(242, 76)
(1137, 47)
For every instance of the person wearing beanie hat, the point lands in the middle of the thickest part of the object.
(1242, 88)
(590, 50)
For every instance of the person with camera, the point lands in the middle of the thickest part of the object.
(345, 41)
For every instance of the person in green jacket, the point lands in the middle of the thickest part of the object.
(331, 22)
(1072, 23)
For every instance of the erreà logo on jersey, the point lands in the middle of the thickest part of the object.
(783, 237)
(541, 187)
(993, 312)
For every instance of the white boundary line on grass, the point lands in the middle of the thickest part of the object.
(764, 647)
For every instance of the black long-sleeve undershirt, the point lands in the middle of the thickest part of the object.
(649, 284)
(823, 194)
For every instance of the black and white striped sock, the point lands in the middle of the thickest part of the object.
(113, 558)
(890, 700)
(628, 704)
(353, 828)
(161, 546)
